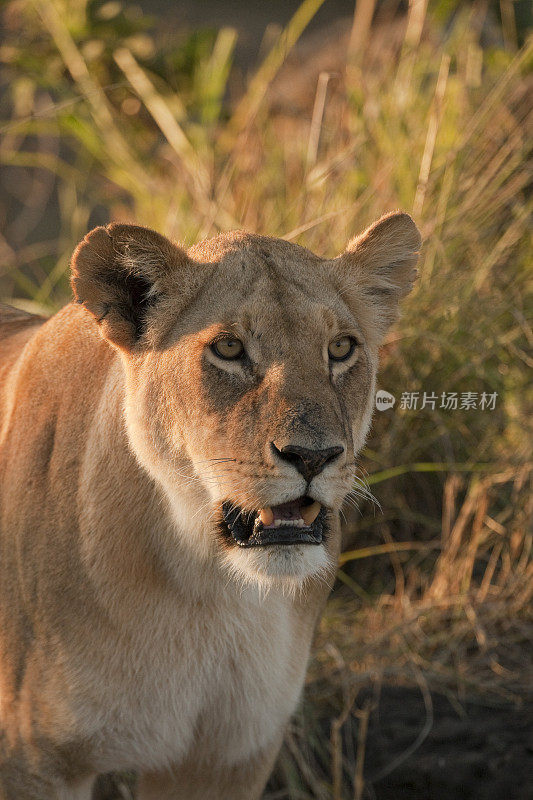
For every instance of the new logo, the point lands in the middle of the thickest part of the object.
(384, 400)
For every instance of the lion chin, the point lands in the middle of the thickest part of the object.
(288, 567)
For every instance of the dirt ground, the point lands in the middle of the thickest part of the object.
(471, 752)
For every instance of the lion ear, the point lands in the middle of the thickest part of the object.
(118, 274)
(381, 262)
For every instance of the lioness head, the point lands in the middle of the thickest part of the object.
(250, 373)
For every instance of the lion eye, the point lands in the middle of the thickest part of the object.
(342, 348)
(229, 349)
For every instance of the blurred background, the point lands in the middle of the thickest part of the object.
(308, 120)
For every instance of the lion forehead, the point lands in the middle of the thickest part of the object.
(262, 287)
(250, 245)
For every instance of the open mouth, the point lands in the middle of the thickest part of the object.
(299, 521)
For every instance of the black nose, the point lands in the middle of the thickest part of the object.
(308, 462)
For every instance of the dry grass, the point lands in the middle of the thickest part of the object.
(435, 590)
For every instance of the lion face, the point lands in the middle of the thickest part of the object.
(250, 373)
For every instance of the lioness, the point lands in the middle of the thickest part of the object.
(175, 447)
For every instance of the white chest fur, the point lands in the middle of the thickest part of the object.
(225, 677)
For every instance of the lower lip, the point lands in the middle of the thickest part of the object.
(282, 537)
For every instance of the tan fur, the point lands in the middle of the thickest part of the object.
(132, 633)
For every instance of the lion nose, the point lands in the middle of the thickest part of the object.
(308, 462)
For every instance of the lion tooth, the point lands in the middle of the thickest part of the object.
(310, 513)
(266, 515)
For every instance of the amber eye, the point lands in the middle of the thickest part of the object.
(228, 349)
(342, 348)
